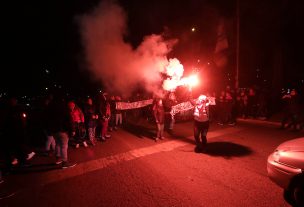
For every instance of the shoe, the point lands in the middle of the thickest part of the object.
(232, 124)
(93, 142)
(198, 149)
(15, 161)
(68, 165)
(77, 146)
(30, 156)
(162, 138)
(85, 144)
(221, 124)
(108, 136)
(156, 139)
(102, 139)
(58, 161)
(25, 164)
(46, 154)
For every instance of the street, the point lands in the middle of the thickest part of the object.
(131, 169)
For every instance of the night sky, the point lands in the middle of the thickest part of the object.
(42, 44)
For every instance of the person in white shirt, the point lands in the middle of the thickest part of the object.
(201, 122)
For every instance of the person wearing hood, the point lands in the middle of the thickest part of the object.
(201, 122)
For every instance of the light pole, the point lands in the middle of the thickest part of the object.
(237, 43)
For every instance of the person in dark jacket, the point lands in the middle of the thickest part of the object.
(159, 115)
(14, 134)
(59, 124)
(221, 106)
(90, 117)
(291, 111)
(112, 103)
(50, 143)
(252, 103)
(169, 119)
(104, 114)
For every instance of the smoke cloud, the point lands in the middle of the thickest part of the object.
(112, 60)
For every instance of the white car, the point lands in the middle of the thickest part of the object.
(285, 167)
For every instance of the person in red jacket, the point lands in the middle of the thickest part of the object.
(77, 118)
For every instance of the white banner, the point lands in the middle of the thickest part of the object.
(185, 106)
(133, 105)
(181, 107)
(212, 101)
(175, 109)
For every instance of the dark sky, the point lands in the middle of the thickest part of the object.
(41, 35)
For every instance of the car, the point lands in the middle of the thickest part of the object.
(285, 167)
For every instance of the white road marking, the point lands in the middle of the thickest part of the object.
(98, 164)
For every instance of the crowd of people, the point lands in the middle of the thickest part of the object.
(257, 104)
(75, 123)
(62, 123)
(293, 111)
(243, 103)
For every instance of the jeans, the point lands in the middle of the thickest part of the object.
(91, 132)
(104, 127)
(172, 122)
(118, 119)
(160, 130)
(50, 143)
(200, 130)
(62, 140)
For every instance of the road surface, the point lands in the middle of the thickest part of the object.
(130, 169)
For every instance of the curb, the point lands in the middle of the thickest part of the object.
(257, 121)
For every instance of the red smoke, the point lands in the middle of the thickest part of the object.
(112, 60)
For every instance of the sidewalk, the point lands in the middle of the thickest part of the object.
(275, 120)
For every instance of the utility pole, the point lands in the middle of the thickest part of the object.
(237, 44)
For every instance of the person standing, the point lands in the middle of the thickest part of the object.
(104, 116)
(159, 115)
(77, 118)
(14, 128)
(50, 143)
(201, 122)
(221, 106)
(243, 103)
(118, 113)
(112, 103)
(252, 103)
(291, 111)
(169, 102)
(60, 124)
(90, 120)
(229, 108)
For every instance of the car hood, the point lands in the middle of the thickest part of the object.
(292, 145)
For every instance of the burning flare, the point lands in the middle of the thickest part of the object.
(172, 84)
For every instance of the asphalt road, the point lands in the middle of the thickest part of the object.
(130, 169)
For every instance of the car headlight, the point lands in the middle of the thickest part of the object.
(276, 155)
